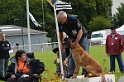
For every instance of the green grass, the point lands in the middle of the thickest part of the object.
(97, 52)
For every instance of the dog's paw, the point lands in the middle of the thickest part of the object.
(89, 74)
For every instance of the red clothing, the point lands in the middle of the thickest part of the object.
(114, 46)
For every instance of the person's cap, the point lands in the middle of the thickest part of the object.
(55, 50)
(113, 28)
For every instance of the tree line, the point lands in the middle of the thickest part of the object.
(94, 14)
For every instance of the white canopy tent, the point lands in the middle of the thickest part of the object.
(120, 30)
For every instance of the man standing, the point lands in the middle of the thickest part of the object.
(114, 48)
(71, 25)
(4, 55)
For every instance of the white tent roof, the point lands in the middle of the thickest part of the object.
(120, 30)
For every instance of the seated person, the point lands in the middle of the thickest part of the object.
(23, 69)
(64, 60)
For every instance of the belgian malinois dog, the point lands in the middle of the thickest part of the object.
(83, 59)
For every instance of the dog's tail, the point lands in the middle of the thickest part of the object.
(102, 74)
(103, 77)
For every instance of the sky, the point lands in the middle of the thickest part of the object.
(116, 4)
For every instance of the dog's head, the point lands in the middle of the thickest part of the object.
(68, 42)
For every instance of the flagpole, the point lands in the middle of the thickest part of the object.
(43, 17)
(28, 25)
(57, 30)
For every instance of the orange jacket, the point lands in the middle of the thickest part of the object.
(22, 66)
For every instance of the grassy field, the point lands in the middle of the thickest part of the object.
(97, 52)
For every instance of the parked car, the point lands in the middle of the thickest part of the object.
(99, 37)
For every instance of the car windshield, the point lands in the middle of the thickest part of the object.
(96, 35)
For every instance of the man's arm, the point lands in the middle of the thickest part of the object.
(106, 46)
(121, 44)
(80, 33)
(61, 37)
(5, 48)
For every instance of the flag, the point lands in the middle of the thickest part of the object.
(33, 20)
(62, 5)
(52, 2)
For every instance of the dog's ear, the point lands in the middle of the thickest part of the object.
(69, 42)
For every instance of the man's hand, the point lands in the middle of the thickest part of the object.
(55, 61)
(65, 62)
(108, 55)
(13, 76)
(61, 46)
(73, 44)
(121, 50)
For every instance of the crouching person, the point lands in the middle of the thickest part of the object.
(24, 69)
(57, 62)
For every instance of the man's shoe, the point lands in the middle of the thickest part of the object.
(69, 75)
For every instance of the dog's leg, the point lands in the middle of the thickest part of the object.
(93, 74)
(92, 71)
(76, 71)
(77, 60)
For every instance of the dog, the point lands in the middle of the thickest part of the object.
(83, 59)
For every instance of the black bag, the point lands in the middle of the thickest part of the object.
(19, 74)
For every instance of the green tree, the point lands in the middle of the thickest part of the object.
(86, 9)
(119, 16)
(99, 23)
(16, 9)
(8, 12)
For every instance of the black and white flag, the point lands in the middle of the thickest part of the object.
(33, 20)
(62, 5)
